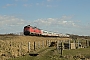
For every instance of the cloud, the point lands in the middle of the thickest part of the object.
(49, 6)
(63, 21)
(11, 24)
(27, 5)
(65, 24)
(8, 5)
(10, 20)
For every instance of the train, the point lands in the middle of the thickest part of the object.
(34, 31)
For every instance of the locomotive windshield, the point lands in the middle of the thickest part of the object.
(26, 28)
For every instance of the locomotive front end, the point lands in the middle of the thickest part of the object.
(27, 30)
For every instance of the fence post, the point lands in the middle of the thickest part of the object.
(34, 45)
(69, 45)
(28, 46)
(42, 43)
(78, 43)
(75, 43)
(49, 43)
(61, 49)
(57, 44)
(46, 43)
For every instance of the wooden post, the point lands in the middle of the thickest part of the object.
(69, 45)
(57, 44)
(75, 43)
(28, 46)
(42, 43)
(78, 43)
(34, 45)
(49, 42)
(61, 49)
(46, 43)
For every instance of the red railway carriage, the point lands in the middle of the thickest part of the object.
(29, 30)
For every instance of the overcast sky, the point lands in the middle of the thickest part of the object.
(62, 16)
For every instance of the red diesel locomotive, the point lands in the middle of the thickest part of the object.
(29, 30)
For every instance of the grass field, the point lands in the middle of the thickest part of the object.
(15, 46)
(52, 54)
(12, 48)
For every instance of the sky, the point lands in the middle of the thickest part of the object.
(61, 16)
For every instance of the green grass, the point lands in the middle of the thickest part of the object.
(52, 54)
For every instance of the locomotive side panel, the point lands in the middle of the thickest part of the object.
(38, 31)
(32, 30)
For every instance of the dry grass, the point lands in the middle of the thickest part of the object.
(14, 46)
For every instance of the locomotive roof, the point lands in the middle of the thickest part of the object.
(32, 27)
